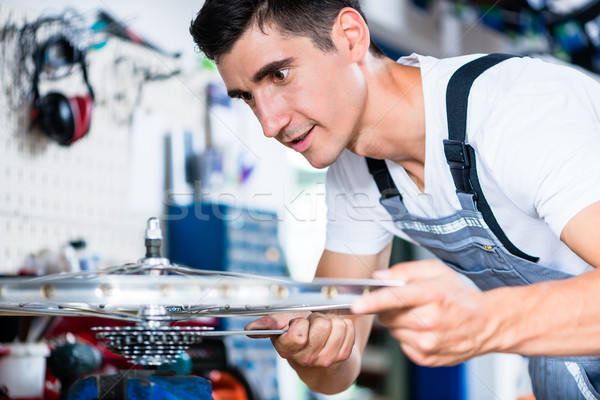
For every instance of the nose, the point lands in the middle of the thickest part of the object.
(272, 114)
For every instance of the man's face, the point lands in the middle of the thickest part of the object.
(309, 100)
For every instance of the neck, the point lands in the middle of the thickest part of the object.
(393, 124)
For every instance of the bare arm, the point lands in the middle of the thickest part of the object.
(557, 317)
(440, 320)
(325, 349)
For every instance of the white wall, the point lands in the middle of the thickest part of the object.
(164, 23)
(131, 118)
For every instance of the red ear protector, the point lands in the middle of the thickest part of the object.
(64, 119)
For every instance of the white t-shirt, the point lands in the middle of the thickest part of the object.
(535, 129)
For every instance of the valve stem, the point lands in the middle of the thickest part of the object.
(153, 238)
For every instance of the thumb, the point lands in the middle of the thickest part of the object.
(267, 322)
(275, 321)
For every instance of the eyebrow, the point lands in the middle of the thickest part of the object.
(272, 68)
(235, 93)
(268, 69)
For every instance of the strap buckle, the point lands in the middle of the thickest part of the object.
(458, 159)
(457, 154)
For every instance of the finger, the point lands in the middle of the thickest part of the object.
(413, 270)
(430, 359)
(294, 340)
(274, 321)
(340, 343)
(423, 318)
(412, 353)
(350, 339)
(320, 330)
(267, 322)
(428, 348)
(395, 298)
(318, 335)
(412, 344)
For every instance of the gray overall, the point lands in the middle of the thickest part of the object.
(472, 243)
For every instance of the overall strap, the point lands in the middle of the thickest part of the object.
(383, 179)
(461, 156)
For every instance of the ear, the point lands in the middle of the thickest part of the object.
(351, 34)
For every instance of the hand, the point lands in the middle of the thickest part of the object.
(313, 340)
(438, 317)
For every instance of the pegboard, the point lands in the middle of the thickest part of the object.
(51, 194)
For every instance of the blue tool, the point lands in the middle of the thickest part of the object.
(141, 385)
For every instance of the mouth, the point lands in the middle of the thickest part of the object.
(301, 143)
(301, 138)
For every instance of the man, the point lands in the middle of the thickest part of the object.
(520, 217)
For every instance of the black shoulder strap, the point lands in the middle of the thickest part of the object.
(383, 179)
(457, 92)
(457, 99)
(459, 155)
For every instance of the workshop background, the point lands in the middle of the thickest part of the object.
(165, 141)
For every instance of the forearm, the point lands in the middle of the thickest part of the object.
(325, 366)
(554, 318)
(333, 379)
(324, 375)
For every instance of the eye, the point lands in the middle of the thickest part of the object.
(281, 74)
(246, 96)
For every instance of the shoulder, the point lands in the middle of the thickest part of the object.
(429, 62)
(523, 98)
(525, 77)
(532, 98)
(534, 126)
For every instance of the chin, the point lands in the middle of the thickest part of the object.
(320, 163)
(320, 166)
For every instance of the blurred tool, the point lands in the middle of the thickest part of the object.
(142, 385)
(49, 261)
(65, 119)
(86, 260)
(111, 25)
(70, 361)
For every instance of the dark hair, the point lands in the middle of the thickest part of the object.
(220, 23)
